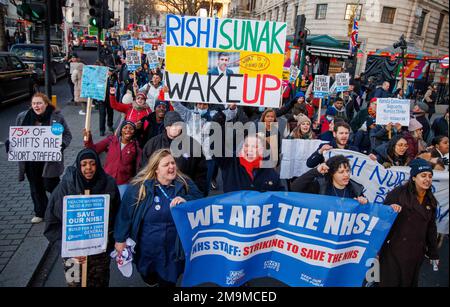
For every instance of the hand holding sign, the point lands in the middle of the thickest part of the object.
(396, 208)
(176, 201)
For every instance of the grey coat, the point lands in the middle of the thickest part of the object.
(51, 169)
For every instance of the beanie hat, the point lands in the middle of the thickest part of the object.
(331, 111)
(419, 166)
(370, 121)
(161, 102)
(414, 125)
(302, 119)
(140, 94)
(423, 106)
(373, 100)
(299, 94)
(127, 122)
(127, 98)
(171, 118)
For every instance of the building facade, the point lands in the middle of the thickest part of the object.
(381, 22)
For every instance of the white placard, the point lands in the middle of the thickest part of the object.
(392, 110)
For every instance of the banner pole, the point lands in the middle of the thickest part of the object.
(87, 124)
(319, 110)
(85, 264)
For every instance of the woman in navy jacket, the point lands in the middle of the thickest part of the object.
(145, 217)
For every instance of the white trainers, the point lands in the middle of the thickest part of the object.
(82, 112)
(36, 220)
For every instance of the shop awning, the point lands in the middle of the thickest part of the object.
(325, 46)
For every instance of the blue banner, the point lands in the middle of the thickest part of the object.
(93, 82)
(299, 239)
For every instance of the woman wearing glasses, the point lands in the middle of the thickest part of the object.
(393, 153)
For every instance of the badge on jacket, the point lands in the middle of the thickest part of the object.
(270, 183)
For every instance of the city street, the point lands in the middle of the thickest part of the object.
(16, 206)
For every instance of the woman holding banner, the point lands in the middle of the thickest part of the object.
(413, 234)
(331, 178)
(123, 153)
(145, 217)
(86, 174)
(42, 176)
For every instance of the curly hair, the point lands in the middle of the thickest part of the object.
(334, 163)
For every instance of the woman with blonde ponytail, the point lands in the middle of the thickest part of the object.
(145, 217)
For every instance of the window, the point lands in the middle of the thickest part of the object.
(277, 13)
(388, 15)
(3, 63)
(321, 11)
(438, 32)
(285, 9)
(421, 22)
(296, 12)
(15, 63)
(349, 11)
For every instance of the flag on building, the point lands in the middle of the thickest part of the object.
(354, 37)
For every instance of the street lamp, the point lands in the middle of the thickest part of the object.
(401, 43)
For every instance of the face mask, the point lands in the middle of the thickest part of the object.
(261, 110)
(329, 118)
(202, 112)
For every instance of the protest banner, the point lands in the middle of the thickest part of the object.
(293, 74)
(294, 154)
(321, 86)
(138, 48)
(152, 59)
(129, 44)
(342, 82)
(147, 48)
(35, 143)
(300, 239)
(133, 60)
(85, 225)
(213, 60)
(378, 181)
(162, 51)
(392, 110)
(94, 82)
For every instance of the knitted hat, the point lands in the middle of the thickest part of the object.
(161, 102)
(299, 94)
(370, 121)
(419, 166)
(331, 111)
(302, 119)
(140, 94)
(414, 125)
(171, 118)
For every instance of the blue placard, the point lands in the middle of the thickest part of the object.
(85, 219)
(299, 239)
(94, 82)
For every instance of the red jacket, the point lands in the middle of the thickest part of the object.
(123, 164)
(324, 124)
(131, 114)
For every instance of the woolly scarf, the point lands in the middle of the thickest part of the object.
(250, 165)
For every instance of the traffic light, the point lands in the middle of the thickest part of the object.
(108, 17)
(56, 13)
(95, 12)
(34, 11)
(300, 31)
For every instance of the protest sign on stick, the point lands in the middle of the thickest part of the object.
(93, 86)
(133, 60)
(342, 82)
(393, 111)
(321, 86)
(235, 61)
(35, 143)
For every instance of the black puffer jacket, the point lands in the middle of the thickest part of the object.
(72, 184)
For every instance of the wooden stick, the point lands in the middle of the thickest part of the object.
(390, 134)
(319, 111)
(87, 123)
(84, 265)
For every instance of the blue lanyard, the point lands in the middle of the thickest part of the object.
(165, 194)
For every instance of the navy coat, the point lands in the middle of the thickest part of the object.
(236, 178)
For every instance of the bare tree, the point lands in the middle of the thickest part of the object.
(184, 7)
(139, 9)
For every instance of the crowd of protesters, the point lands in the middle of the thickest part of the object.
(145, 177)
